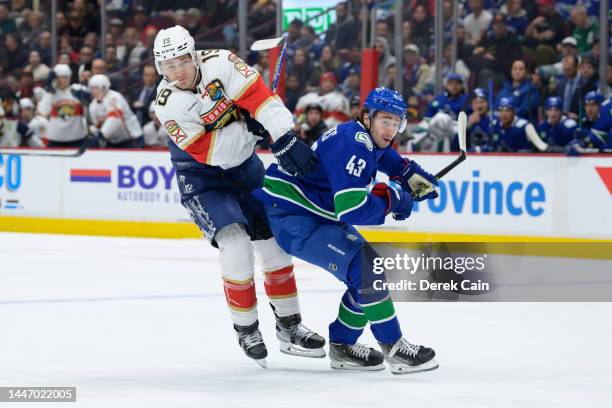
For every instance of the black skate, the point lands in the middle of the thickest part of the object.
(406, 358)
(297, 339)
(355, 357)
(252, 343)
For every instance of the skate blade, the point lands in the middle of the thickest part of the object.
(262, 362)
(344, 365)
(399, 369)
(295, 350)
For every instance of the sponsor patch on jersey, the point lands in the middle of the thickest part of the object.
(241, 66)
(214, 91)
(175, 132)
(362, 137)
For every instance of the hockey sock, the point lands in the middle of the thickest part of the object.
(282, 291)
(241, 300)
(383, 322)
(350, 322)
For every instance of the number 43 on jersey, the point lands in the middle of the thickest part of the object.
(355, 167)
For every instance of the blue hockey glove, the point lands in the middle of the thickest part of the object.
(414, 178)
(293, 155)
(398, 201)
(573, 148)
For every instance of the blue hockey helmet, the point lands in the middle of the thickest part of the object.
(553, 102)
(480, 93)
(593, 96)
(387, 100)
(507, 102)
(453, 76)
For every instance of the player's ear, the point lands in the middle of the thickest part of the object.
(366, 120)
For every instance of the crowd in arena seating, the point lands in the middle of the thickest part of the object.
(517, 63)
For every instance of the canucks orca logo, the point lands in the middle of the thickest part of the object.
(362, 137)
(214, 91)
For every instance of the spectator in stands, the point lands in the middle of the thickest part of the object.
(193, 21)
(493, 57)
(98, 66)
(39, 71)
(86, 56)
(130, 39)
(140, 19)
(294, 40)
(464, 48)
(354, 103)
(13, 56)
(447, 68)
(415, 71)
(385, 58)
(477, 22)
(76, 28)
(327, 62)
(407, 32)
(263, 66)
(7, 24)
(525, 95)
(516, 16)
(31, 28)
(588, 72)
(115, 27)
(548, 72)
(545, 32)
(142, 98)
(422, 29)
(568, 87)
(349, 59)
(452, 101)
(584, 30)
(351, 85)
(314, 126)
(381, 29)
(344, 32)
(43, 46)
(301, 66)
(91, 40)
(62, 24)
(556, 129)
(293, 91)
(26, 84)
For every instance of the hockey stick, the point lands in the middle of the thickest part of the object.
(42, 153)
(535, 139)
(267, 44)
(462, 131)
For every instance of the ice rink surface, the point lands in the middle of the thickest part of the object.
(143, 323)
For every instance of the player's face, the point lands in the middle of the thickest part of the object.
(591, 109)
(96, 93)
(506, 116)
(63, 82)
(26, 114)
(454, 87)
(180, 69)
(313, 117)
(384, 127)
(480, 105)
(327, 85)
(553, 116)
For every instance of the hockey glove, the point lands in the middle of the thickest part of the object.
(414, 178)
(254, 126)
(293, 155)
(398, 201)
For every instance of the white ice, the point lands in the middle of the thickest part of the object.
(143, 323)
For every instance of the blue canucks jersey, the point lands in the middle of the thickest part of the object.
(560, 134)
(512, 138)
(338, 189)
(525, 96)
(448, 104)
(601, 132)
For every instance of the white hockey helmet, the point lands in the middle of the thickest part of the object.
(171, 43)
(26, 103)
(62, 70)
(99, 81)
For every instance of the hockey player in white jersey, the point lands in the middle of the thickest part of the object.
(114, 123)
(335, 106)
(37, 123)
(155, 134)
(215, 108)
(64, 111)
(15, 133)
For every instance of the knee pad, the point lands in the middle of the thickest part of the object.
(235, 253)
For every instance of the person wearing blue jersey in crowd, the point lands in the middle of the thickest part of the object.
(556, 130)
(525, 95)
(452, 101)
(508, 129)
(312, 218)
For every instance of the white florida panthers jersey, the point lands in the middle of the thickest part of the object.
(208, 124)
(114, 118)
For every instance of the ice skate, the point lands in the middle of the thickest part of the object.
(406, 358)
(297, 339)
(252, 343)
(355, 357)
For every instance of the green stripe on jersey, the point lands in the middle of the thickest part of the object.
(285, 190)
(348, 200)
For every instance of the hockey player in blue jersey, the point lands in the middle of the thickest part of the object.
(452, 101)
(509, 130)
(600, 136)
(312, 218)
(556, 130)
(478, 124)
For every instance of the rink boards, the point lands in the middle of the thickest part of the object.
(487, 198)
